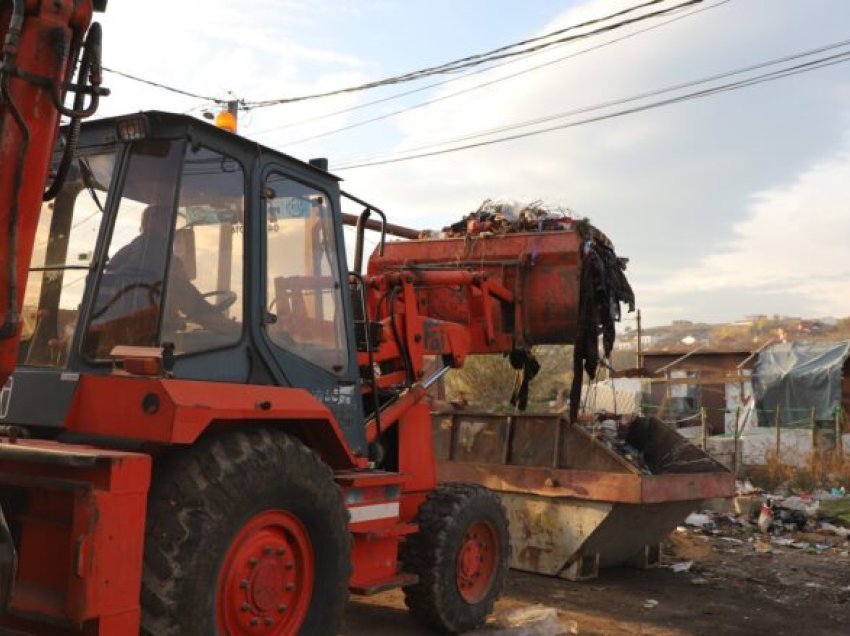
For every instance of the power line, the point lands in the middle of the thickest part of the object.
(165, 87)
(488, 83)
(502, 52)
(463, 76)
(496, 54)
(390, 98)
(765, 77)
(620, 101)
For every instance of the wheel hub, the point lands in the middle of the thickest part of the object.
(476, 562)
(266, 581)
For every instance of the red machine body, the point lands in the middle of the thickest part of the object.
(182, 505)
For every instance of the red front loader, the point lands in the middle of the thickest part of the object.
(209, 425)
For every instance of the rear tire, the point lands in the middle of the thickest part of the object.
(460, 555)
(247, 533)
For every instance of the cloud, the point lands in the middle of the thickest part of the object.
(214, 47)
(673, 187)
(699, 191)
(794, 241)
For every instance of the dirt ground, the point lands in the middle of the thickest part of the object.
(738, 584)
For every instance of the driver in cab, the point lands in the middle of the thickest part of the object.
(127, 311)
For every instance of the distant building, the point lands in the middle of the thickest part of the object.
(687, 379)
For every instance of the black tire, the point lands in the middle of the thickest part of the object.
(435, 551)
(200, 501)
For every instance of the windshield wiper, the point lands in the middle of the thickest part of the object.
(89, 181)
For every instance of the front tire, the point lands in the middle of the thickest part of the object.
(460, 555)
(247, 533)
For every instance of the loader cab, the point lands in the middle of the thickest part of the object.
(169, 232)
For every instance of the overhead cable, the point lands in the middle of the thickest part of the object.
(483, 84)
(165, 87)
(483, 58)
(621, 101)
(744, 83)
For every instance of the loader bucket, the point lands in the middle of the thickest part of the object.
(542, 270)
(574, 503)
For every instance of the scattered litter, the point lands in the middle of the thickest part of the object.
(746, 487)
(537, 620)
(844, 533)
(766, 517)
(809, 507)
(682, 566)
(650, 603)
(762, 546)
(699, 520)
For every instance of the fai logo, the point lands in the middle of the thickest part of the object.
(6, 397)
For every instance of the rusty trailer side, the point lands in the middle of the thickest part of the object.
(574, 504)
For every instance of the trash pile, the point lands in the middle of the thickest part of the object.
(613, 433)
(813, 522)
(505, 217)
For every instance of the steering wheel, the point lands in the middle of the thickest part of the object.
(153, 290)
(228, 299)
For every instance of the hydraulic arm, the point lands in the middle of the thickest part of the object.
(42, 42)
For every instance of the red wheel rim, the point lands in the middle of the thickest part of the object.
(476, 562)
(266, 580)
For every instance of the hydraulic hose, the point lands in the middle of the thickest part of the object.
(90, 68)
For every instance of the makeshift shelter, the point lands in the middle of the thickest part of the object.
(799, 376)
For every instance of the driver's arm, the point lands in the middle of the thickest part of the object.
(184, 297)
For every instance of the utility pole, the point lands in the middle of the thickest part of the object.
(639, 336)
(233, 108)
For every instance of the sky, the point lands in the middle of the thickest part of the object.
(727, 206)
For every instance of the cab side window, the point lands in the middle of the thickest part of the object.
(127, 307)
(303, 290)
(203, 304)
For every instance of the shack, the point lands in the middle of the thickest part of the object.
(684, 381)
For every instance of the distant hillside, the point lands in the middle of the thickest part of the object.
(747, 334)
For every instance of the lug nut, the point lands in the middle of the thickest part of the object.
(255, 621)
(267, 550)
(281, 551)
(245, 607)
(269, 622)
(281, 608)
(253, 561)
(244, 584)
(289, 565)
(289, 587)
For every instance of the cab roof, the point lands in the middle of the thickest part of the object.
(161, 123)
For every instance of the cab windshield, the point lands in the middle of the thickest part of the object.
(62, 256)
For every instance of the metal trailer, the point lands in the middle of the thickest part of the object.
(575, 505)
